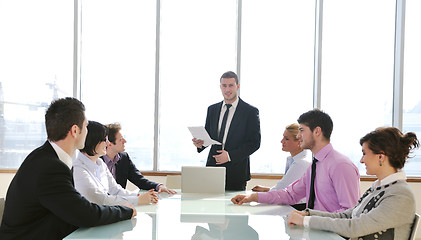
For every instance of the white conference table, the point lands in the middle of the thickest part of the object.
(204, 216)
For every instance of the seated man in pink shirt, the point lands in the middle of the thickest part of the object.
(335, 186)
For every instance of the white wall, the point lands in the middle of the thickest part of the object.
(6, 178)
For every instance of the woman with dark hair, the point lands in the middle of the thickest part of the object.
(92, 177)
(387, 209)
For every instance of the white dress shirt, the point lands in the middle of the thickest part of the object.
(297, 168)
(95, 182)
(229, 119)
(62, 155)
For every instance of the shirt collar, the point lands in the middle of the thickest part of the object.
(88, 162)
(322, 154)
(301, 155)
(399, 175)
(62, 155)
(108, 160)
(291, 159)
(234, 104)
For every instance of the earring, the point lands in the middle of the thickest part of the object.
(380, 163)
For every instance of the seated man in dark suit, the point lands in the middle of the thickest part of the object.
(41, 202)
(121, 166)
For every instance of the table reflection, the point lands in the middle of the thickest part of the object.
(231, 227)
(117, 230)
(197, 217)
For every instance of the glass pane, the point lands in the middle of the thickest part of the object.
(198, 43)
(412, 83)
(277, 71)
(118, 70)
(357, 70)
(36, 66)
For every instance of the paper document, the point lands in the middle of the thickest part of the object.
(202, 134)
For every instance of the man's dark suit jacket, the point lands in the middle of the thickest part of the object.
(126, 170)
(42, 203)
(243, 139)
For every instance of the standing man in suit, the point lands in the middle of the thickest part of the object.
(238, 131)
(121, 166)
(41, 202)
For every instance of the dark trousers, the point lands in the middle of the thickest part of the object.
(236, 187)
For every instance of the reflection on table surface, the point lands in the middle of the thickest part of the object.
(199, 216)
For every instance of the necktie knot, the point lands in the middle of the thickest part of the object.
(315, 160)
(228, 106)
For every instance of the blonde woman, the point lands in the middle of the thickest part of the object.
(296, 164)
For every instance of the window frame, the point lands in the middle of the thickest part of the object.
(398, 67)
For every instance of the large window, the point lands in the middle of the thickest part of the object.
(118, 70)
(357, 70)
(198, 44)
(412, 83)
(154, 66)
(36, 66)
(276, 71)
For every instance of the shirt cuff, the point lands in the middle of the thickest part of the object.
(229, 159)
(133, 200)
(157, 187)
(306, 221)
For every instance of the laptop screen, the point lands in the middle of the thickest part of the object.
(195, 179)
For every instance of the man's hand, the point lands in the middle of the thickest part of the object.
(198, 142)
(259, 188)
(222, 157)
(241, 198)
(163, 188)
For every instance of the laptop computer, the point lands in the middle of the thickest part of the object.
(198, 179)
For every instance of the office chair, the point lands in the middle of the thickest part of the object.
(414, 227)
(1, 208)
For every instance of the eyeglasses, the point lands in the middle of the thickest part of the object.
(105, 139)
